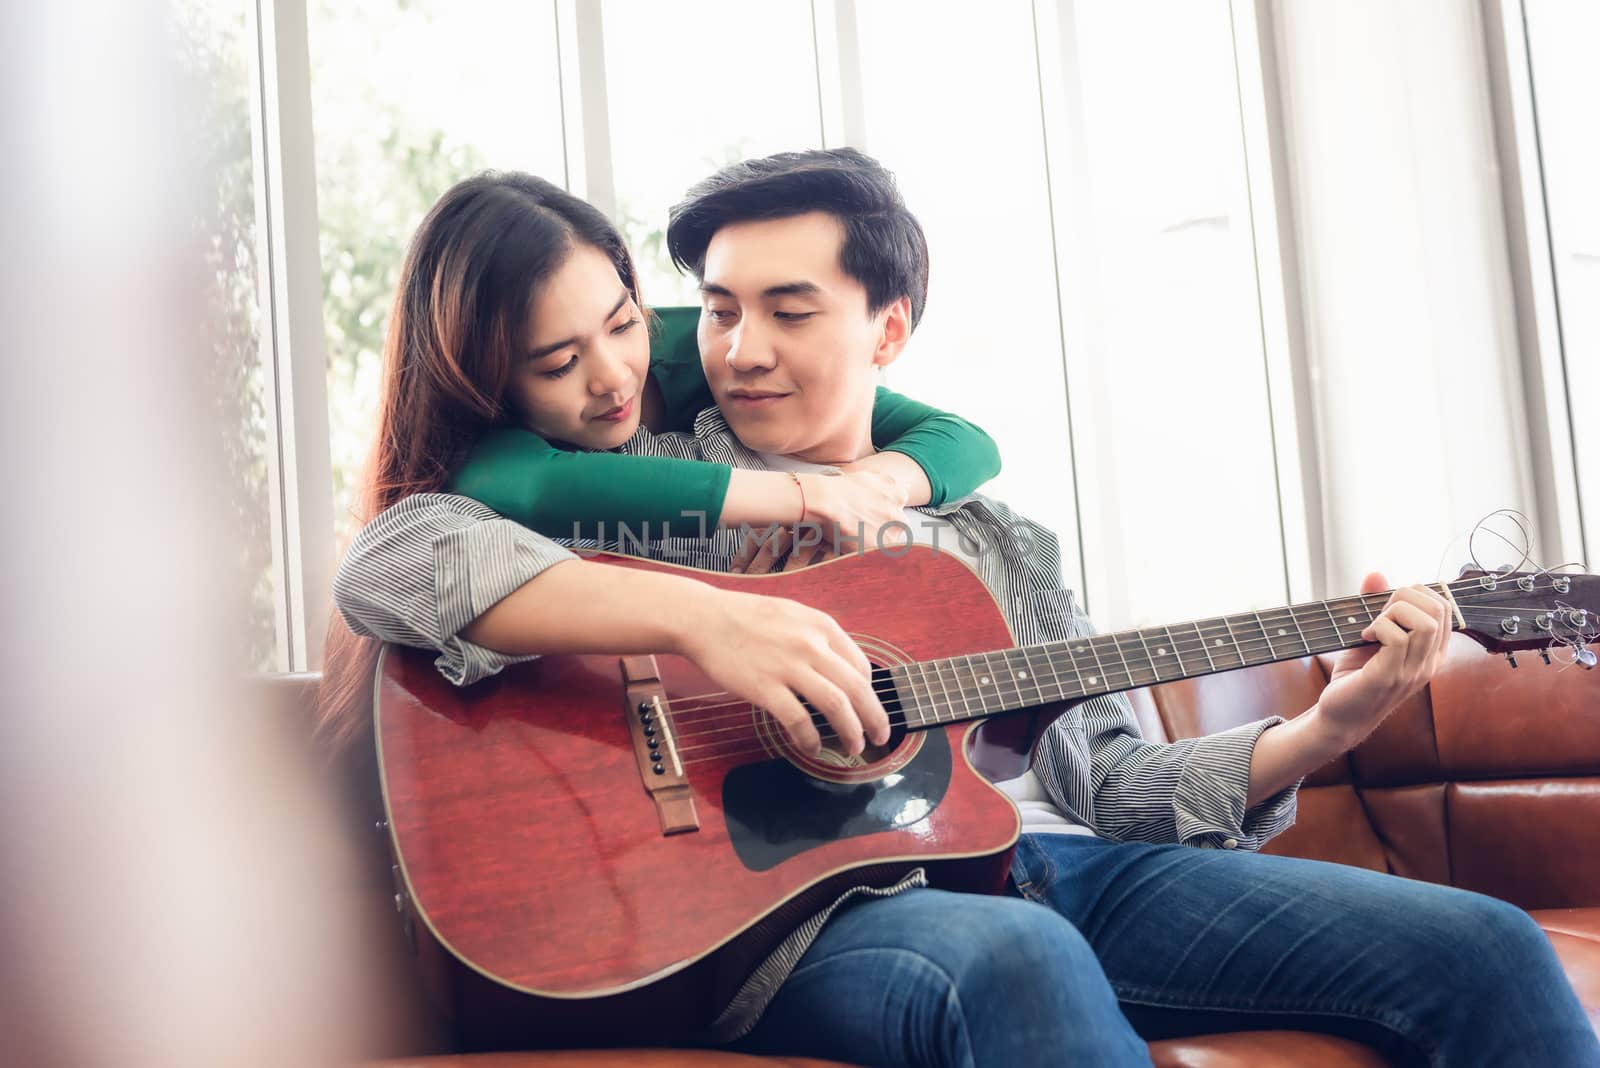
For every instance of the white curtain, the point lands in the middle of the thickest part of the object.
(1409, 328)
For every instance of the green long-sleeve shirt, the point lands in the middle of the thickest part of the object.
(560, 492)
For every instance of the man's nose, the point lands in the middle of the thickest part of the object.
(749, 349)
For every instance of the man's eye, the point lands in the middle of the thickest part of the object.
(561, 371)
(719, 315)
(792, 317)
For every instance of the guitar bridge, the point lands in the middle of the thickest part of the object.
(644, 707)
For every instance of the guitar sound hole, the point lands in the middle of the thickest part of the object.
(776, 810)
(834, 756)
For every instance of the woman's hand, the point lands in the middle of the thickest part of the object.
(850, 511)
(771, 652)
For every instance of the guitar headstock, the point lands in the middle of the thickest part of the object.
(1507, 611)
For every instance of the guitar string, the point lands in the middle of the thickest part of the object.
(748, 742)
(1137, 677)
(686, 713)
(1290, 612)
(746, 722)
(1121, 642)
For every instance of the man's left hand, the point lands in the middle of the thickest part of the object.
(1369, 683)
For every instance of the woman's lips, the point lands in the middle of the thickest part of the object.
(617, 415)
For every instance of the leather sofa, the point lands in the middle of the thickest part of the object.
(1488, 780)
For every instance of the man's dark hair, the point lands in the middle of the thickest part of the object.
(884, 248)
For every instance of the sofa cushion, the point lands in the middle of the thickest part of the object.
(1576, 935)
(1264, 1049)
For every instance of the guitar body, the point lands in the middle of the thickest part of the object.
(533, 854)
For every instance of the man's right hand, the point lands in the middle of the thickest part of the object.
(771, 652)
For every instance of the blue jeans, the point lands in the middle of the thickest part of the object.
(1123, 942)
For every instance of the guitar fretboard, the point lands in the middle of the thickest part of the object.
(984, 684)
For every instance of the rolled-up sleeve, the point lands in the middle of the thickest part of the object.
(428, 566)
(1193, 791)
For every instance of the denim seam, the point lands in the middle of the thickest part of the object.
(1403, 1025)
(1035, 889)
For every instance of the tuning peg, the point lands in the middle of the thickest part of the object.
(1586, 657)
(1511, 658)
(1546, 654)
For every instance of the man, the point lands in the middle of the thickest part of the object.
(814, 275)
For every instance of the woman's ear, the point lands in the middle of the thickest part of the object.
(894, 332)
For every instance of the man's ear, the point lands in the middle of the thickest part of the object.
(894, 332)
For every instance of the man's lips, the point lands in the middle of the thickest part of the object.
(754, 397)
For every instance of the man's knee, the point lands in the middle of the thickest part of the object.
(1505, 937)
(1485, 943)
(1012, 942)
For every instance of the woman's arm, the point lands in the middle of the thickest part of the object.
(930, 456)
(565, 494)
(936, 456)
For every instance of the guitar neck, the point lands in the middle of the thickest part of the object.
(961, 688)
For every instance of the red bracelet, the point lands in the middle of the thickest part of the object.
(802, 490)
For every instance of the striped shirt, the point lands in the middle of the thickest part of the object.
(429, 565)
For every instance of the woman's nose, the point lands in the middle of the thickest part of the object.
(611, 374)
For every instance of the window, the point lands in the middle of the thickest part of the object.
(1566, 89)
(1156, 306)
(214, 40)
(690, 90)
(989, 346)
(410, 96)
(1096, 181)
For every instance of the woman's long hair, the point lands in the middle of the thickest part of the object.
(456, 331)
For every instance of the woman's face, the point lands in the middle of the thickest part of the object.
(585, 356)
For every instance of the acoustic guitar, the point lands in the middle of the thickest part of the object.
(604, 848)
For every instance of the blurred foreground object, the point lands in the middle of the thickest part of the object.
(166, 883)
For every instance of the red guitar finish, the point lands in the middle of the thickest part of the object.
(531, 851)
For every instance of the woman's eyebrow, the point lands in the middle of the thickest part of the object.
(544, 350)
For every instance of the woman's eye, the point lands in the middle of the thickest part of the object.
(561, 371)
(625, 327)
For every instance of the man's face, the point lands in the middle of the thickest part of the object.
(786, 341)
